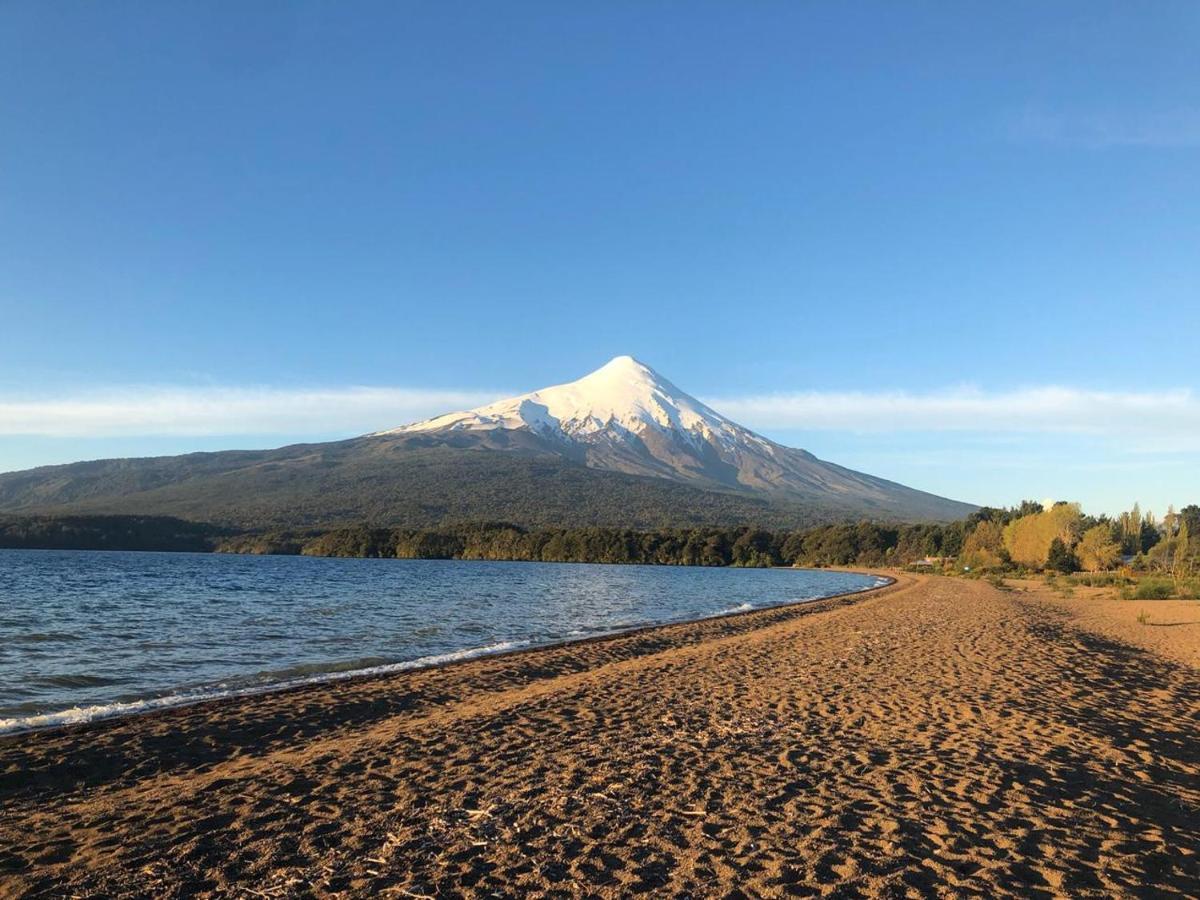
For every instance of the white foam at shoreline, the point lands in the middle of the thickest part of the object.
(79, 715)
(743, 607)
(83, 714)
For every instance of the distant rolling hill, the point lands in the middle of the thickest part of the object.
(621, 446)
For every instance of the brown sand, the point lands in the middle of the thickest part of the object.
(1172, 627)
(940, 737)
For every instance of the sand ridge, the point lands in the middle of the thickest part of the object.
(937, 737)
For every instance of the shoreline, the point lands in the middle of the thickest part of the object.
(99, 715)
(934, 737)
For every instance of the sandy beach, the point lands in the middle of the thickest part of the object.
(936, 737)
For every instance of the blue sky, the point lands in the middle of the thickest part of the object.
(954, 244)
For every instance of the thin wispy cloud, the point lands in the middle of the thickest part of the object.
(137, 411)
(1145, 418)
(1145, 415)
(1171, 129)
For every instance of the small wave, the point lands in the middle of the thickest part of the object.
(741, 607)
(304, 670)
(81, 714)
(73, 681)
(331, 672)
(44, 637)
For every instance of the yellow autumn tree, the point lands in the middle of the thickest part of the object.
(1028, 538)
(1097, 550)
(982, 548)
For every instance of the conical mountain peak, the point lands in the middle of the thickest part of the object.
(620, 370)
(520, 460)
(626, 417)
(622, 396)
(624, 362)
(625, 366)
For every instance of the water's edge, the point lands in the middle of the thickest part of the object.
(84, 716)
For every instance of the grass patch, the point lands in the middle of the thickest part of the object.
(1189, 589)
(1150, 589)
(1060, 584)
(1100, 579)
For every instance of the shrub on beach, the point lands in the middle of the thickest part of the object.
(1101, 579)
(1189, 589)
(1151, 589)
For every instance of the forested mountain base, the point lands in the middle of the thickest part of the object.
(397, 482)
(1025, 538)
(109, 533)
(863, 544)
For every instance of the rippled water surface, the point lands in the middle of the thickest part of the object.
(87, 634)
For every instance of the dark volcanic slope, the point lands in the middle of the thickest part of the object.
(626, 417)
(384, 481)
(413, 480)
(622, 446)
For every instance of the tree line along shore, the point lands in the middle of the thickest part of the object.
(1028, 538)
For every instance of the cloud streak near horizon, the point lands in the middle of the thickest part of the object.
(1098, 130)
(157, 411)
(211, 411)
(1057, 410)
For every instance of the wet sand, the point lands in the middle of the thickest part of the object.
(938, 737)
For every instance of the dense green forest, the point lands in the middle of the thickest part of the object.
(1026, 538)
(1164, 554)
(108, 533)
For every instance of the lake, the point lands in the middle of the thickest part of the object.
(85, 635)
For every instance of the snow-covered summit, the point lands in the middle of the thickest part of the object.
(624, 395)
(594, 451)
(625, 417)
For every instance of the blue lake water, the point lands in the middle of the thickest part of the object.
(90, 634)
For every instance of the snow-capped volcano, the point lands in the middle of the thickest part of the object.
(622, 446)
(623, 396)
(626, 417)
